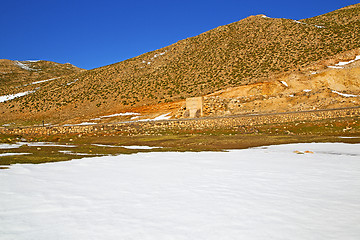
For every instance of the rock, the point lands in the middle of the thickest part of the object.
(298, 152)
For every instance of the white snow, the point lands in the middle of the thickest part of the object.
(69, 83)
(10, 145)
(24, 66)
(264, 16)
(165, 116)
(41, 81)
(121, 114)
(299, 22)
(80, 124)
(32, 144)
(340, 64)
(12, 96)
(318, 26)
(139, 147)
(307, 90)
(116, 115)
(157, 55)
(104, 145)
(344, 94)
(284, 83)
(32, 60)
(253, 194)
(12, 154)
(350, 137)
(348, 62)
(45, 144)
(75, 153)
(127, 147)
(152, 58)
(291, 95)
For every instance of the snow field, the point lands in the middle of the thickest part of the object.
(259, 193)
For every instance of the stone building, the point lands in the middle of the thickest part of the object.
(194, 107)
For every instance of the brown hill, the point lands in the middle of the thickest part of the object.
(336, 86)
(246, 52)
(15, 74)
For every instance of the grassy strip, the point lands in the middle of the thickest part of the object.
(194, 140)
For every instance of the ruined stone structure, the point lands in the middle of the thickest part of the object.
(194, 107)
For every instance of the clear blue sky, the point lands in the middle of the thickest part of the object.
(92, 34)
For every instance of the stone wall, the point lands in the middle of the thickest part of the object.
(217, 106)
(147, 128)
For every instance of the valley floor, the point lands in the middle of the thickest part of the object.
(30, 145)
(292, 191)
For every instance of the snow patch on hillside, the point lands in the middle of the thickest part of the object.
(13, 96)
(299, 22)
(165, 116)
(152, 58)
(24, 66)
(344, 94)
(348, 62)
(69, 83)
(116, 115)
(42, 81)
(341, 64)
(159, 54)
(284, 83)
(318, 26)
(32, 61)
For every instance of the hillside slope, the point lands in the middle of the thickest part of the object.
(16, 74)
(241, 53)
(314, 88)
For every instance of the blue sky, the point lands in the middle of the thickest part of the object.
(92, 34)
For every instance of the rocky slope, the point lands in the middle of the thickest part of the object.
(322, 85)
